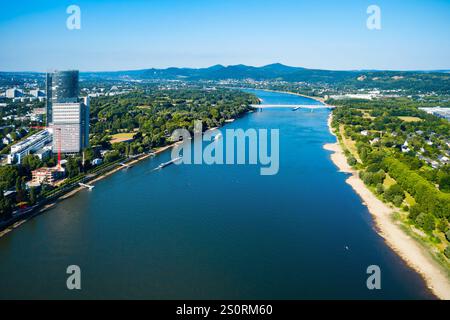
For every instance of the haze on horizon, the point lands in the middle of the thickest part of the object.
(124, 35)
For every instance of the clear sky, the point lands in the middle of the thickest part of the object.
(132, 34)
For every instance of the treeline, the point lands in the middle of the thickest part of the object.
(154, 114)
(402, 151)
(427, 136)
(428, 199)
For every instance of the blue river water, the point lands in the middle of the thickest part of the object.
(213, 231)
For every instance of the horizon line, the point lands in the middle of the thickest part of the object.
(232, 65)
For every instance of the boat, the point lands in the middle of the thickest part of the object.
(165, 164)
(296, 108)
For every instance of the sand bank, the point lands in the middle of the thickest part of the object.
(411, 251)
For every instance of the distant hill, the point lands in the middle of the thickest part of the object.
(219, 72)
(438, 81)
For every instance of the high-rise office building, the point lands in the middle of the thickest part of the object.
(67, 114)
(62, 87)
(48, 90)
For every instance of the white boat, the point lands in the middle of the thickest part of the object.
(165, 164)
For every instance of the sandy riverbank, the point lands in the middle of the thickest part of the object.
(412, 252)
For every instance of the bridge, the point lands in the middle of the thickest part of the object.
(293, 106)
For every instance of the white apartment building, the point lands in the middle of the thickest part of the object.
(13, 93)
(29, 145)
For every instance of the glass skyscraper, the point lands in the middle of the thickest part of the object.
(67, 114)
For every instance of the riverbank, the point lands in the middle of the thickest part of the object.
(319, 99)
(69, 194)
(412, 252)
(18, 221)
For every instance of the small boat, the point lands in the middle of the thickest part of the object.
(165, 164)
(296, 108)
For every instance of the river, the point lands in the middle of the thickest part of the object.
(213, 231)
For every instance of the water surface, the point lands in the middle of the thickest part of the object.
(213, 232)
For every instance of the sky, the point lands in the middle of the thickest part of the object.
(134, 34)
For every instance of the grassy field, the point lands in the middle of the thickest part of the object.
(409, 199)
(350, 145)
(388, 181)
(366, 115)
(410, 119)
(121, 137)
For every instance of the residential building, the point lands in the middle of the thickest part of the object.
(13, 93)
(97, 161)
(46, 176)
(28, 146)
(37, 93)
(44, 153)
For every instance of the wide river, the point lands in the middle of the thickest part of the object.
(213, 231)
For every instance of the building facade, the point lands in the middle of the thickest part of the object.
(45, 176)
(28, 146)
(67, 114)
(13, 93)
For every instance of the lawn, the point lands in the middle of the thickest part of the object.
(121, 137)
(410, 119)
(349, 144)
(388, 181)
(409, 199)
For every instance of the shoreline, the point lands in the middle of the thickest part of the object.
(408, 249)
(78, 189)
(319, 99)
(69, 194)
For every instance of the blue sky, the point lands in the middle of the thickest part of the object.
(132, 34)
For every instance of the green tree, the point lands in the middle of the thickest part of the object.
(30, 163)
(352, 161)
(397, 201)
(6, 206)
(393, 191)
(73, 167)
(447, 252)
(444, 183)
(414, 212)
(447, 235)
(33, 196)
(380, 188)
(426, 222)
(8, 176)
(112, 156)
(442, 225)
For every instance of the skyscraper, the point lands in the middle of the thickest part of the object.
(48, 89)
(65, 86)
(67, 114)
